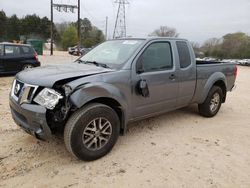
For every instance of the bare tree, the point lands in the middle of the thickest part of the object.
(165, 31)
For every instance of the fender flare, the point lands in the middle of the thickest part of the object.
(215, 77)
(94, 91)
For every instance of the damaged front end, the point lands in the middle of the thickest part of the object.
(57, 117)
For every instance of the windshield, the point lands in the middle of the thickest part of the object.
(113, 53)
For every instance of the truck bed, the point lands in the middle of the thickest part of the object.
(199, 62)
(206, 70)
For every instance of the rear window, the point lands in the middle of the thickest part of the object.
(184, 55)
(11, 50)
(27, 50)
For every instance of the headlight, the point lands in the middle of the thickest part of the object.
(48, 98)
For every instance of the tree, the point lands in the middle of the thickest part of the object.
(165, 31)
(3, 24)
(13, 28)
(69, 37)
(232, 45)
(211, 47)
(86, 28)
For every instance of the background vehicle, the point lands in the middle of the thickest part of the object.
(118, 82)
(17, 57)
(74, 50)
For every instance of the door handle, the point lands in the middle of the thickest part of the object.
(172, 77)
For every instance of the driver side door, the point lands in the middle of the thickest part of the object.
(155, 67)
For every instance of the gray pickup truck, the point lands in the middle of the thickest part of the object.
(118, 82)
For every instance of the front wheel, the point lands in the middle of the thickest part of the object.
(212, 104)
(92, 131)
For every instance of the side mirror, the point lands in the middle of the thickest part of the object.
(143, 88)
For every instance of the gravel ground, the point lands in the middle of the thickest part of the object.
(178, 149)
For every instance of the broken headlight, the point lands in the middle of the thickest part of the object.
(48, 98)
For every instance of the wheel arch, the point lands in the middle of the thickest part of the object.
(115, 105)
(216, 79)
(222, 85)
(103, 94)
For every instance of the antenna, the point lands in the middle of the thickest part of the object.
(120, 23)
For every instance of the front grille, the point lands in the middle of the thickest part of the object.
(22, 92)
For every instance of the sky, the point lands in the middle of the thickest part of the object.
(195, 20)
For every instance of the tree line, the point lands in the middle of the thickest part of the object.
(33, 26)
(231, 46)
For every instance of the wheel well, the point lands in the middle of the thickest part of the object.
(116, 106)
(222, 85)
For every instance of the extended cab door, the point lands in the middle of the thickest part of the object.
(155, 84)
(186, 73)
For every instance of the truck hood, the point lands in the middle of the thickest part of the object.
(47, 75)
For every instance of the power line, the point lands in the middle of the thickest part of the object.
(65, 8)
(120, 23)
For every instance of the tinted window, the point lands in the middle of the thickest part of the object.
(1, 49)
(157, 57)
(26, 49)
(184, 54)
(11, 50)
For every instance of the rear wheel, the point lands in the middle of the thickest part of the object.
(92, 132)
(27, 66)
(212, 104)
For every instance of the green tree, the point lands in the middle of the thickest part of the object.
(69, 37)
(3, 24)
(86, 28)
(96, 36)
(233, 44)
(31, 25)
(13, 28)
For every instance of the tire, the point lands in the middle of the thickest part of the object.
(27, 66)
(212, 104)
(83, 136)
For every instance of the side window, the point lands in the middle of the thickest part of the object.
(11, 50)
(1, 49)
(184, 54)
(26, 50)
(157, 56)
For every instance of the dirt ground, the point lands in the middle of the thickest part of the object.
(178, 149)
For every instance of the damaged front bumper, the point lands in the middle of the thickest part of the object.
(31, 118)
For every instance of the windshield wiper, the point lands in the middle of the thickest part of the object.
(96, 64)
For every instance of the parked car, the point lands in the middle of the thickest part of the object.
(17, 57)
(245, 62)
(83, 51)
(118, 82)
(74, 50)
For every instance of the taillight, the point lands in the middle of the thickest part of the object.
(235, 71)
(36, 56)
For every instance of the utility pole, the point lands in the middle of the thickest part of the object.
(106, 28)
(79, 28)
(64, 8)
(120, 23)
(51, 28)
